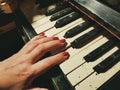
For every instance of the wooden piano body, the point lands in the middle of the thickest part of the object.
(79, 74)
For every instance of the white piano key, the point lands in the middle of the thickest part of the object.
(45, 27)
(37, 17)
(47, 24)
(38, 14)
(40, 22)
(86, 69)
(96, 80)
(77, 60)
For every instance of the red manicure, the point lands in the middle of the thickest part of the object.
(55, 38)
(62, 40)
(42, 34)
(65, 53)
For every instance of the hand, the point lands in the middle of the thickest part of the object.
(18, 71)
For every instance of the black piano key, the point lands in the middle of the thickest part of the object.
(56, 9)
(108, 62)
(61, 13)
(67, 19)
(92, 56)
(77, 43)
(77, 29)
(112, 84)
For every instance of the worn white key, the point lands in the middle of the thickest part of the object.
(86, 69)
(77, 60)
(45, 27)
(37, 17)
(96, 80)
(40, 22)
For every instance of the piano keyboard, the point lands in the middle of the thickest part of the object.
(94, 53)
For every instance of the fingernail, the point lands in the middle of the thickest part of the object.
(42, 34)
(65, 53)
(55, 38)
(62, 40)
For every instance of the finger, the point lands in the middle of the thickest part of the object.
(38, 36)
(40, 50)
(58, 50)
(31, 44)
(44, 39)
(49, 62)
(37, 41)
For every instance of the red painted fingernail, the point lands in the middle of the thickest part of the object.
(65, 53)
(62, 40)
(42, 34)
(55, 38)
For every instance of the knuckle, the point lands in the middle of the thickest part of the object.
(41, 48)
(33, 43)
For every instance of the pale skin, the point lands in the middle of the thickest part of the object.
(18, 71)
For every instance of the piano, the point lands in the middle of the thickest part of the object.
(92, 31)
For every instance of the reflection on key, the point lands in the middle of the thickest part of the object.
(67, 19)
(108, 62)
(61, 13)
(92, 56)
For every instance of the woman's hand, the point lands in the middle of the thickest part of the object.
(18, 71)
